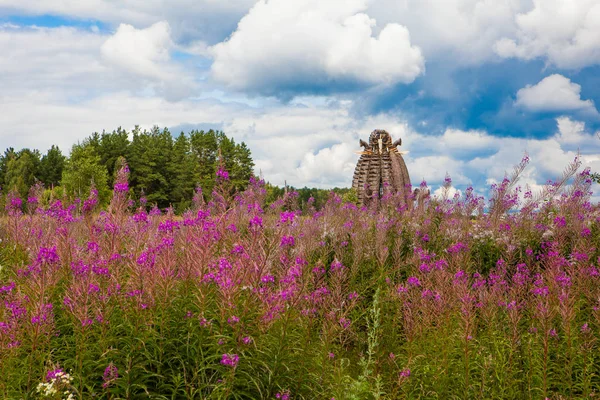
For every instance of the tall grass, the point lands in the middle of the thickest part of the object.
(236, 299)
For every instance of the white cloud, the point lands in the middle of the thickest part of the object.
(61, 84)
(208, 20)
(62, 59)
(450, 192)
(314, 43)
(305, 146)
(434, 168)
(565, 32)
(458, 32)
(76, 63)
(146, 54)
(572, 132)
(141, 51)
(554, 93)
(330, 166)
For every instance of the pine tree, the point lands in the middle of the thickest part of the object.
(51, 167)
(111, 146)
(204, 150)
(245, 164)
(148, 160)
(181, 172)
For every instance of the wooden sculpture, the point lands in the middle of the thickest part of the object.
(381, 169)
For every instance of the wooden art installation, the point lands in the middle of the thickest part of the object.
(381, 170)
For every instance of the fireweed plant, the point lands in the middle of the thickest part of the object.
(453, 298)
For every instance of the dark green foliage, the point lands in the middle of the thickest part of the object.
(51, 167)
(21, 169)
(111, 146)
(485, 253)
(149, 159)
(309, 197)
(181, 170)
(204, 149)
(84, 169)
(166, 170)
(4, 159)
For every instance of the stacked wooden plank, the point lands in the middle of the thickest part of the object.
(381, 170)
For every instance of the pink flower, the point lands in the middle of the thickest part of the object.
(560, 221)
(413, 281)
(230, 360)
(256, 222)
(111, 373)
(287, 216)
(53, 374)
(287, 241)
(345, 323)
(222, 174)
(283, 395)
(457, 248)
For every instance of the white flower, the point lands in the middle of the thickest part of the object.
(547, 234)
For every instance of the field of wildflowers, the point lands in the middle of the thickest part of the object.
(453, 298)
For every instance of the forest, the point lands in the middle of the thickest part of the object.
(165, 169)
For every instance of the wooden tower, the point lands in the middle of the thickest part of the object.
(381, 169)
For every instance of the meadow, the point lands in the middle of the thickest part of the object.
(450, 298)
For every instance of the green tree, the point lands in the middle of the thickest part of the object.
(204, 152)
(22, 171)
(9, 154)
(83, 168)
(181, 171)
(244, 166)
(112, 146)
(149, 160)
(51, 167)
(273, 193)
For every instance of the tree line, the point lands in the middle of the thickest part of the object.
(164, 169)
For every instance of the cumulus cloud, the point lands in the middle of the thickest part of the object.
(433, 169)
(338, 161)
(74, 63)
(309, 44)
(305, 146)
(458, 32)
(61, 84)
(190, 20)
(146, 53)
(141, 51)
(440, 192)
(554, 93)
(564, 32)
(57, 58)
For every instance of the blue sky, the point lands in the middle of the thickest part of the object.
(469, 85)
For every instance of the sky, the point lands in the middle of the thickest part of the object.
(469, 86)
